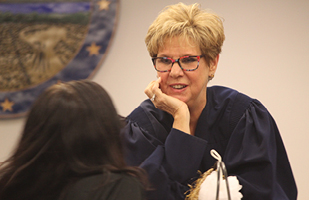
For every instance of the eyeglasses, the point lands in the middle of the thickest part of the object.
(186, 63)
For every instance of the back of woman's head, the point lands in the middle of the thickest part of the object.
(72, 130)
(76, 120)
(202, 27)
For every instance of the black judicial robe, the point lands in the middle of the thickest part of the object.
(238, 127)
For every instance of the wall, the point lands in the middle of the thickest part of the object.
(264, 56)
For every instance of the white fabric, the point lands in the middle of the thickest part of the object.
(208, 189)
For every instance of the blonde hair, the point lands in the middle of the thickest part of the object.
(188, 22)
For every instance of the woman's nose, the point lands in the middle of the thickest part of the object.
(176, 70)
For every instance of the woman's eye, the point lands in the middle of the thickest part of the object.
(188, 60)
(165, 61)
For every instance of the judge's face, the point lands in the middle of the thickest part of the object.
(187, 86)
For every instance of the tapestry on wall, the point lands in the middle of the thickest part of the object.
(44, 42)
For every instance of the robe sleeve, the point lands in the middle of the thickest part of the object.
(167, 162)
(256, 155)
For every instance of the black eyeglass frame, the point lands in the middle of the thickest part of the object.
(178, 61)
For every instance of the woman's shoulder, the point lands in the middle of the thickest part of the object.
(108, 179)
(229, 101)
(100, 186)
(223, 91)
(221, 95)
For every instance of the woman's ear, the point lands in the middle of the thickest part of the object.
(213, 65)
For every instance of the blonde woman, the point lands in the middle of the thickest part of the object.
(171, 134)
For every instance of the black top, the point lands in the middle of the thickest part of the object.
(117, 187)
(238, 127)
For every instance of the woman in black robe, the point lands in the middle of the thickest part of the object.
(171, 134)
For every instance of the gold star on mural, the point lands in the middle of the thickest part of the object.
(7, 105)
(104, 4)
(93, 49)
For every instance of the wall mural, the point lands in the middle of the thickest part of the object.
(44, 42)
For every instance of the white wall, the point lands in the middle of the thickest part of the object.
(264, 56)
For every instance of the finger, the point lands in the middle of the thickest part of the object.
(152, 87)
(149, 89)
(156, 85)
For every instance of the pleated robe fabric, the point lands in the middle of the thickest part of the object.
(238, 127)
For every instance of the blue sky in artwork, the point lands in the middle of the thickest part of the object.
(45, 8)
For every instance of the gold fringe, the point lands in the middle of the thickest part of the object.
(195, 188)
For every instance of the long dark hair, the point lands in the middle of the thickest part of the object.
(72, 131)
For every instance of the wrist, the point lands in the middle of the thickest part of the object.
(182, 119)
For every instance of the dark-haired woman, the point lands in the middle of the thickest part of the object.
(70, 149)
